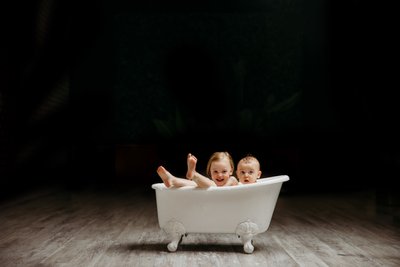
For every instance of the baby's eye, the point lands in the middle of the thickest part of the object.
(242, 172)
(251, 172)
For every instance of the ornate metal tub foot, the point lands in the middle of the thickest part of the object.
(175, 231)
(246, 231)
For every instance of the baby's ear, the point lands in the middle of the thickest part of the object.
(259, 174)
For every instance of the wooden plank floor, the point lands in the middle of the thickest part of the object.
(95, 228)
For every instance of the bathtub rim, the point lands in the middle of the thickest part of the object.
(260, 182)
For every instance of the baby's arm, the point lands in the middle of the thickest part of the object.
(232, 181)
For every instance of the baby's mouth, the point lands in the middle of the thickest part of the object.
(220, 180)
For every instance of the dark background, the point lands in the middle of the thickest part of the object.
(100, 93)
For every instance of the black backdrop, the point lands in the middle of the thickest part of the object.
(106, 89)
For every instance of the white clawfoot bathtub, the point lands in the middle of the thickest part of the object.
(245, 210)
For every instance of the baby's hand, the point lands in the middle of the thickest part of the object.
(232, 181)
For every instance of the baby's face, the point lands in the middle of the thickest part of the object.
(248, 172)
(220, 171)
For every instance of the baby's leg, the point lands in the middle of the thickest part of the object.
(165, 176)
(191, 164)
(202, 181)
(170, 180)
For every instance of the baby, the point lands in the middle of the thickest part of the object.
(248, 170)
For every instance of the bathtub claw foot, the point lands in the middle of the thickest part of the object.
(248, 247)
(246, 231)
(173, 246)
(175, 231)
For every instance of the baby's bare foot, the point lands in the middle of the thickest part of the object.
(165, 176)
(191, 164)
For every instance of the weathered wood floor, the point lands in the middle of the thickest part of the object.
(91, 228)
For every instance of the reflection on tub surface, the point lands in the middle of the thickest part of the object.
(245, 210)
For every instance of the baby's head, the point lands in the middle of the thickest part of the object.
(248, 170)
(220, 167)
